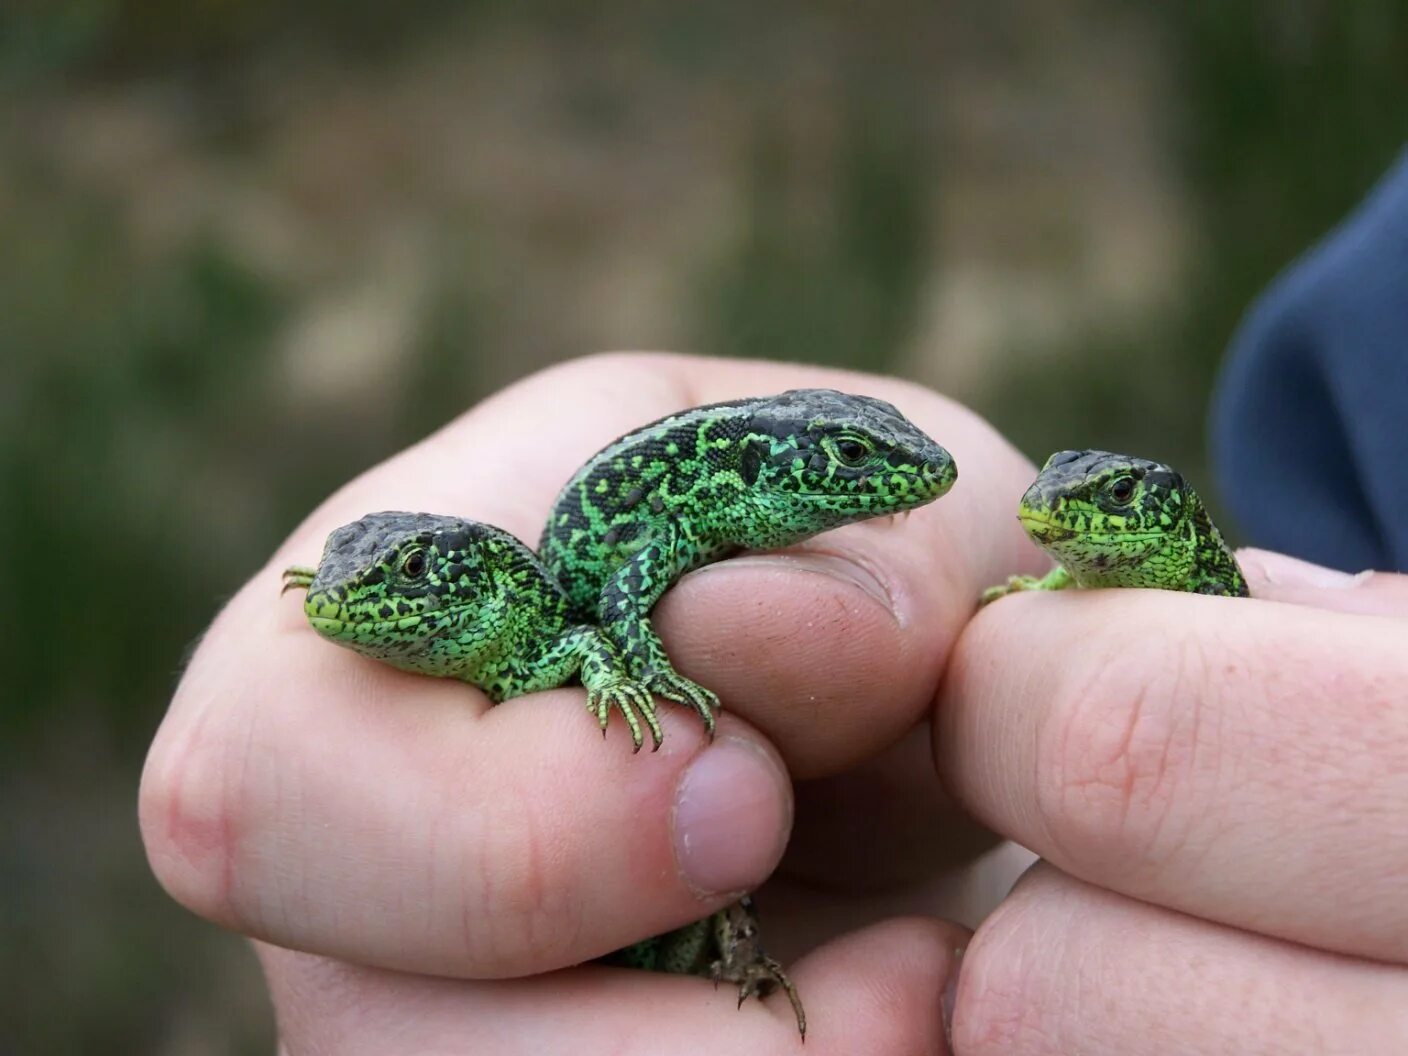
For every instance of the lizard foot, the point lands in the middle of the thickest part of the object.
(743, 961)
(760, 979)
(672, 685)
(1057, 579)
(1013, 584)
(297, 577)
(629, 698)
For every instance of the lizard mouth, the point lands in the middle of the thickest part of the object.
(1044, 530)
(333, 626)
(922, 491)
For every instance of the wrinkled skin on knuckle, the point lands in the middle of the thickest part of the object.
(206, 785)
(190, 818)
(1334, 775)
(520, 911)
(1007, 1002)
(1125, 756)
(321, 1005)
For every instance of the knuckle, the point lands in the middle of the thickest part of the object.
(1007, 1002)
(518, 913)
(1125, 756)
(189, 824)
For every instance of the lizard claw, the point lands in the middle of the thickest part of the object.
(1013, 584)
(992, 594)
(634, 702)
(673, 686)
(297, 577)
(742, 960)
(759, 979)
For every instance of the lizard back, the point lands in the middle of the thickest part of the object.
(758, 473)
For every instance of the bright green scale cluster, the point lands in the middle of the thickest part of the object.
(448, 597)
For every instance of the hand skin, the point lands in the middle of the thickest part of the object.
(1219, 789)
(426, 852)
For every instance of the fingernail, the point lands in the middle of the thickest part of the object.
(949, 998)
(834, 566)
(732, 814)
(1282, 570)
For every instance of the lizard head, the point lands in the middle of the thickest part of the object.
(1110, 517)
(388, 582)
(829, 458)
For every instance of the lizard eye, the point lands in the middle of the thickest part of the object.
(852, 450)
(413, 564)
(1122, 489)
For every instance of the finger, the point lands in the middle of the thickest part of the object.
(875, 991)
(1064, 967)
(330, 803)
(1243, 761)
(1278, 577)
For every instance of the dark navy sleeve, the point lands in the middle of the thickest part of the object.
(1310, 420)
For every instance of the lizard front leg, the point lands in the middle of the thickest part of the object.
(1057, 579)
(609, 683)
(624, 613)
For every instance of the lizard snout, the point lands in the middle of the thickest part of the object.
(939, 472)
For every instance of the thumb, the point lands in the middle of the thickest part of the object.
(1280, 577)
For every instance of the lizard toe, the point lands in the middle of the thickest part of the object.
(676, 687)
(627, 701)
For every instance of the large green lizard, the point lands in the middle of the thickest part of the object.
(697, 486)
(1117, 521)
(444, 596)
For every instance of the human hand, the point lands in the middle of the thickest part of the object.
(396, 828)
(1218, 789)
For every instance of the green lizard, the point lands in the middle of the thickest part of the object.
(1116, 521)
(442, 596)
(455, 598)
(697, 486)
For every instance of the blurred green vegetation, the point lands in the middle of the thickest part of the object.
(153, 449)
(836, 284)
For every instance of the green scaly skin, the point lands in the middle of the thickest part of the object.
(697, 486)
(458, 599)
(1116, 521)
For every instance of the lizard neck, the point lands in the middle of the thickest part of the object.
(493, 637)
(1215, 569)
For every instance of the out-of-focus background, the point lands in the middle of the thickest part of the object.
(246, 249)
